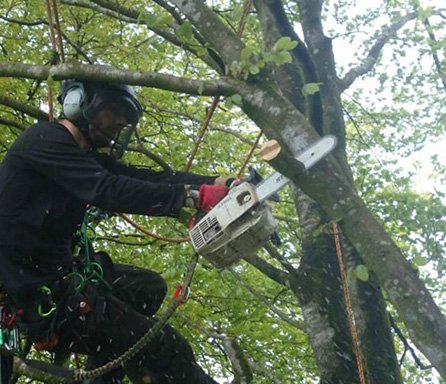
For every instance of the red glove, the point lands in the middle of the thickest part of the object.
(210, 195)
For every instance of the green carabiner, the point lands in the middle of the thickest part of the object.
(81, 278)
(45, 290)
(95, 272)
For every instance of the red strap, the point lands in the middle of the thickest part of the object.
(46, 345)
(178, 291)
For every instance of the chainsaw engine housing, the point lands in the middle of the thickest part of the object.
(237, 226)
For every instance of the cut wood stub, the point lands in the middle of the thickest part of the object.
(270, 150)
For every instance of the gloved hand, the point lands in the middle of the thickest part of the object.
(204, 197)
(210, 195)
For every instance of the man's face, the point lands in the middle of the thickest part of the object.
(106, 124)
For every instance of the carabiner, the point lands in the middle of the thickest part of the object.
(46, 291)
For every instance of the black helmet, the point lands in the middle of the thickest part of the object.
(82, 100)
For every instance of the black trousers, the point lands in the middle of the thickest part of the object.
(117, 320)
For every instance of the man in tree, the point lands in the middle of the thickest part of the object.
(47, 179)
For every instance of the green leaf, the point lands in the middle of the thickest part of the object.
(246, 54)
(254, 69)
(184, 31)
(420, 261)
(284, 44)
(361, 272)
(310, 89)
(282, 57)
(51, 82)
(152, 20)
(236, 99)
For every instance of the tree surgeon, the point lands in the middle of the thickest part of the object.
(47, 179)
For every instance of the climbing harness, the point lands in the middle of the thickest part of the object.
(146, 339)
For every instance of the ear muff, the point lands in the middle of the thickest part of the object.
(74, 101)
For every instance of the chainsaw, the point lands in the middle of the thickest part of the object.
(242, 222)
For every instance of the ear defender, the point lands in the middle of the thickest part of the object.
(74, 102)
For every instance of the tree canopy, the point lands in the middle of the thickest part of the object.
(372, 74)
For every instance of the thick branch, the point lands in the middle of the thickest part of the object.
(105, 11)
(290, 77)
(321, 51)
(113, 9)
(276, 255)
(13, 124)
(212, 28)
(372, 57)
(23, 369)
(106, 73)
(269, 270)
(21, 107)
(140, 148)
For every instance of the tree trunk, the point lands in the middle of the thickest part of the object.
(325, 315)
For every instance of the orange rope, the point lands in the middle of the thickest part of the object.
(241, 26)
(348, 303)
(202, 132)
(59, 32)
(56, 46)
(248, 157)
(149, 233)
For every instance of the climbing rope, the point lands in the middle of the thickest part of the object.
(216, 100)
(248, 157)
(56, 46)
(348, 303)
(152, 234)
(204, 127)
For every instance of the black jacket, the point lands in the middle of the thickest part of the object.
(46, 181)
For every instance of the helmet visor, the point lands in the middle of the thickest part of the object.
(121, 141)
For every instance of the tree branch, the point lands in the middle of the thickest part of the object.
(269, 270)
(22, 368)
(212, 28)
(321, 52)
(282, 260)
(21, 107)
(435, 57)
(372, 57)
(296, 324)
(13, 124)
(113, 9)
(290, 77)
(106, 73)
(140, 148)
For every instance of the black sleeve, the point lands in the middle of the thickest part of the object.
(51, 150)
(149, 175)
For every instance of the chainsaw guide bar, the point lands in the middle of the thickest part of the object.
(242, 221)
